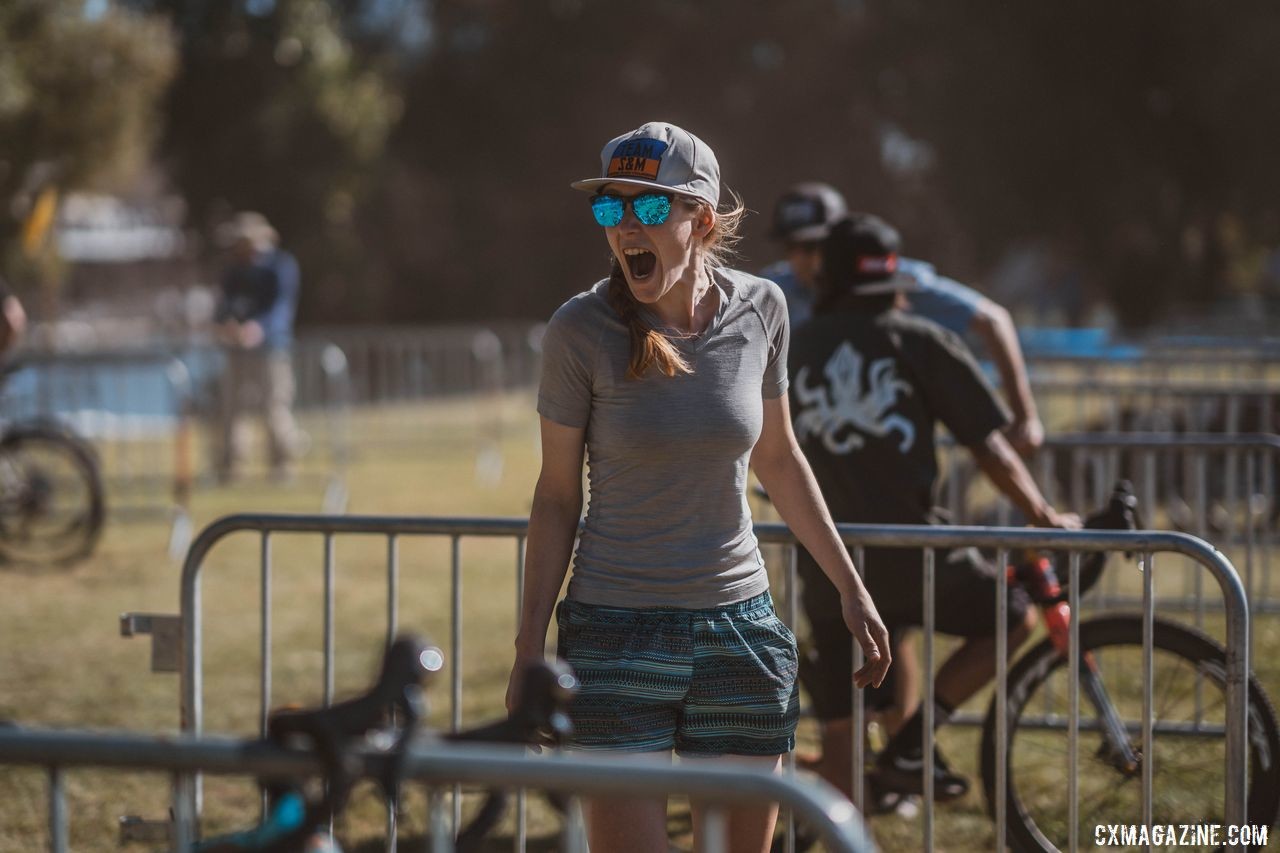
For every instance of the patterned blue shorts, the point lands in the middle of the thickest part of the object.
(719, 681)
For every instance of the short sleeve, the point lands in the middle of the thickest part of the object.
(773, 310)
(564, 390)
(945, 301)
(958, 392)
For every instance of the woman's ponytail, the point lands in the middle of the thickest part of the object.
(649, 347)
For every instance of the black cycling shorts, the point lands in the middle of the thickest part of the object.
(964, 606)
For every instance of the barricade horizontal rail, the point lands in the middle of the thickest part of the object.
(931, 539)
(434, 764)
(1163, 405)
(1219, 486)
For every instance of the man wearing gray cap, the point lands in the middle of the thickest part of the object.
(259, 297)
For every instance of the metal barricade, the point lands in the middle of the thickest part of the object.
(189, 624)
(437, 765)
(464, 372)
(1005, 541)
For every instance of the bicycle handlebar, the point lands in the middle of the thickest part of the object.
(397, 696)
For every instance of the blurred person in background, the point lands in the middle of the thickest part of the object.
(670, 376)
(870, 382)
(13, 319)
(803, 216)
(258, 300)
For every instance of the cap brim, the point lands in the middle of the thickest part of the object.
(592, 184)
(807, 234)
(898, 283)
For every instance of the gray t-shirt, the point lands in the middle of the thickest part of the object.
(667, 521)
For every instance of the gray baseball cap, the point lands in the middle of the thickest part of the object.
(806, 212)
(658, 154)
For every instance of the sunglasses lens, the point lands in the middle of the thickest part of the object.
(607, 209)
(651, 208)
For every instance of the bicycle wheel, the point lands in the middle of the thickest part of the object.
(51, 501)
(1189, 745)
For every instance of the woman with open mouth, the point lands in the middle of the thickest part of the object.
(670, 377)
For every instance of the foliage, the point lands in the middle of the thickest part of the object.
(78, 99)
(274, 110)
(1126, 147)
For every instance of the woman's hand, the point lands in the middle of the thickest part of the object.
(863, 621)
(515, 682)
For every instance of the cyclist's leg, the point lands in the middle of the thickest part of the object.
(965, 606)
(826, 670)
(966, 588)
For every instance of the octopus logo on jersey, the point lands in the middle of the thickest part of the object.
(637, 158)
(845, 414)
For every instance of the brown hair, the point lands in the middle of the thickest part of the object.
(649, 347)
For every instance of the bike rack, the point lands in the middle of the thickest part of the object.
(437, 764)
(1003, 540)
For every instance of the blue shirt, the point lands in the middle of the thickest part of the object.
(945, 301)
(265, 291)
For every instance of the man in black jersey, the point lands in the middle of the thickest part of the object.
(869, 384)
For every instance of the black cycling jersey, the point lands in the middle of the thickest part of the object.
(867, 392)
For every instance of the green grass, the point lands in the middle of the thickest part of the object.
(65, 664)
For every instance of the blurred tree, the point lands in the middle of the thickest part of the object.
(78, 104)
(274, 110)
(1131, 134)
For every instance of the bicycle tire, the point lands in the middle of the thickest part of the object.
(1039, 820)
(60, 544)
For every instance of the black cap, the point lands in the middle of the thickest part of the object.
(861, 252)
(805, 212)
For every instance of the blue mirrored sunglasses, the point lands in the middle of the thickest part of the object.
(649, 208)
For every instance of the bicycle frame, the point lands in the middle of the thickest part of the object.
(1039, 579)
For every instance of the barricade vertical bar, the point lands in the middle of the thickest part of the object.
(929, 590)
(715, 831)
(574, 835)
(1250, 539)
(455, 677)
(859, 706)
(184, 814)
(328, 618)
(264, 651)
(1202, 512)
(792, 593)
(1267, 531)
(1002, 689)
(329, 573)
(393, 587)
(393, 622)
(522, 796)
(440, 835)
(1149, 482)
(57, 812)
(1148, 645)
(1073, 701)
